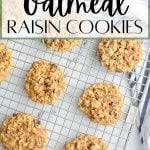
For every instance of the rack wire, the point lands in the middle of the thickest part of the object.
(64, 120)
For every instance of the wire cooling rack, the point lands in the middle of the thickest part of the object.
(64, 120)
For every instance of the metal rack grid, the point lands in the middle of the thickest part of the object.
(64, 120)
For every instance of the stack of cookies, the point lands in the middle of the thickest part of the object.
(45, 81)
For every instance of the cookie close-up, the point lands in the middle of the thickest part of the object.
(61, 45)
(5, 61)
(119, 55)
(44, 82)
(102, 103)
(85, 142)
(21, 132)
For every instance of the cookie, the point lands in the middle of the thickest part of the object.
(119, 55)
(85, 142)
(60, 45)
(44, 82)
(21, 132)
(102, 103)
(5, 61)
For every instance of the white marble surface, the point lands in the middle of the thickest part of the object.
(134, 141)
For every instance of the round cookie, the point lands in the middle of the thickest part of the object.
(119, 55)
(44, 82)
(85, 142)
(60, 45)
(102, 103)
(5, 61)
(21, 132)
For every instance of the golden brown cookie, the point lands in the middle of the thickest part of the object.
(85, 142)
(102, 103)
(60, 45)
(119, 55)
(44, 82)
(5, 61)
(21, 132)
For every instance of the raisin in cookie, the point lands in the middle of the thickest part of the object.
(102, 103)
(44, 82)
(119, 55)
(5, 61)
(85, 142)
(61, 45)
(21, 132)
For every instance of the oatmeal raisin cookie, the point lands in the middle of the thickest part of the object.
(60, 45)
(119, 55)
(44, 82)
(85, 142)
(5, 61)
(102, 103)
(21, 132)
